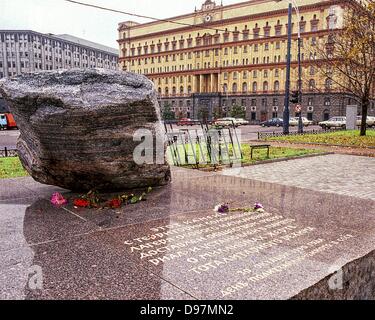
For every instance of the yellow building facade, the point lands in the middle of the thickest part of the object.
(219, 56)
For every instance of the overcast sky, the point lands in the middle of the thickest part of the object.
(59, 16)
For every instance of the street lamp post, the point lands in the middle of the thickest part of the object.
(286, 114)
(300, 123)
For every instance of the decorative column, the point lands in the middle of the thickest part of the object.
(201, 83)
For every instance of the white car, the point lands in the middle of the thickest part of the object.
(335, 122)
(370, 121)
(241, 122)
(226, 122)
(294, 121)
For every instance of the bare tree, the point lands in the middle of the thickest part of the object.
(345, 59)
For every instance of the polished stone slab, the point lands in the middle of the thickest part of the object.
(235, 256)
(35, 220)
(88, 268)
(173, 246)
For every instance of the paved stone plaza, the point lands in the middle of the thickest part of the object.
(341, 174)
(173, 246)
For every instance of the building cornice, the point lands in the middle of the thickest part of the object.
(56, 38)
(214, 24)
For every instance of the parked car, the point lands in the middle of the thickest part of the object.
(335, 122)
(3, 122)
(7, 121)
(274, 122)
(370, 121)
(294, 121)
(241, 122)
(186, 122)
(226, 122)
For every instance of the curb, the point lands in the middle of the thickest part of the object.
(319, 144)
(220, 168)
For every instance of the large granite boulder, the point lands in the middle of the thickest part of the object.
(77, 126)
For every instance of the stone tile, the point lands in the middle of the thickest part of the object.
(339, 174)
(12, 213)
(14, 189)
(32, 220)
(214, 264)
(88, 267)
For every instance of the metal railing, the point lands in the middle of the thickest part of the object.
(265, 135)
(6, 152)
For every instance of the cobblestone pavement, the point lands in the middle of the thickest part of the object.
(341, 174)
(340, 150)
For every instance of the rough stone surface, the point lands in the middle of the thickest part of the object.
(77, 126)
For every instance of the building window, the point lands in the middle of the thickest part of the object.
(328, 84)
(244, 87)
(255, 87)
(327, 101)
(276, 86)
(253, 116)
(275, 102)
(310, 101)
(234, 87)
(265, 86)
(312, 85)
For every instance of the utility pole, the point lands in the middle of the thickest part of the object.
(286, 114)
(300, 122)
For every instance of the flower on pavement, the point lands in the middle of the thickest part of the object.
(222, 208)
(258, 207)
(81, 203)
(58, 200)
(115, 203)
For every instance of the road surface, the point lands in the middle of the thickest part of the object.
(8, 138)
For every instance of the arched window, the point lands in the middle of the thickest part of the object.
(189, 89)
(312, 85)
(225, 87)
(276, 86)
(234, 87)
(166, 90)
(181, 90)
(159, 91)
(244, 87)
(265, 86)
(328, 84)
(174, 90)
(255, 87)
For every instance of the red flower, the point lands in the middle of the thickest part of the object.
(115, 203)
(82, 203)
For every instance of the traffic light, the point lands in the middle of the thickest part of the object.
(295, 97)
